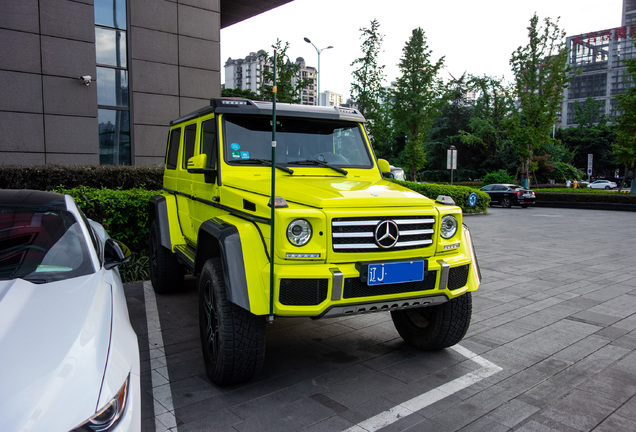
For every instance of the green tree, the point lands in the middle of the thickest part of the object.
(592, 135)
(288, 83)
(625, 146)
(366, 88)
(241, 93)
(418, 98)
(540, 74)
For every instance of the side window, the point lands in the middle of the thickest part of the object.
(208, 141)
(173, 149)
(190, 141)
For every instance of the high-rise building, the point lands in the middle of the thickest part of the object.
(247, 74)
(329, 98)
(598, 68)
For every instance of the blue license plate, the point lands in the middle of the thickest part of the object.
(395, 272)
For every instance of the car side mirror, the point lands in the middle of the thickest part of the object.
(197, 165)
(385, 168)
(115, 253)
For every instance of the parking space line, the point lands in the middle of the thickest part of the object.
(430, 397)
(165, 419)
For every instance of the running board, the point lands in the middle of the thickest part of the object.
(186, 254)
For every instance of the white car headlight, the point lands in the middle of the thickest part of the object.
(299, 232)
(108, 417)
(449, 226)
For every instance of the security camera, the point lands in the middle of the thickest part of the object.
(87, 79)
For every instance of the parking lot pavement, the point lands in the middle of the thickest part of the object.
(551, 347)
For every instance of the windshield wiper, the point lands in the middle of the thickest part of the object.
(266, 162)
(317, 162)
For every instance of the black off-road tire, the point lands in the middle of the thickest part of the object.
(435, 327)
(232, 339)
(505, 203)
(166, 273)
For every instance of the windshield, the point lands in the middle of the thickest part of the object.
(298, 140)
(41, 246)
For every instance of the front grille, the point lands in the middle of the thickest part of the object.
(458, 277)
(358, 234)
(303, 292)
(354, 287)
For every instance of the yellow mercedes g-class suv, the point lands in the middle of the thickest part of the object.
(345, 240)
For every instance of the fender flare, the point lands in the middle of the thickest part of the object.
(158, 210)
(227, 247)
(473, 255)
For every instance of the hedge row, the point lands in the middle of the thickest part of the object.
(124, 214)
(49, 177)
(585, 196)
(459, 193)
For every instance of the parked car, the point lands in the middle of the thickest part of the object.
(69, 356)
(507, 195)
(602, 184)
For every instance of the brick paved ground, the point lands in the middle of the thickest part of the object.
(556, 312)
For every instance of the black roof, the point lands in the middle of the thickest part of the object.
(246, 106)
(31, 198)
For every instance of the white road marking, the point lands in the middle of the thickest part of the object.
(165, 420)
(420, 402)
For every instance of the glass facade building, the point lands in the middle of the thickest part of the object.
(598, 69)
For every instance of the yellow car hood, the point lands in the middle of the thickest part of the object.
(334, 192)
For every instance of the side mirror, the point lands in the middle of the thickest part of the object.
(197, 165)
(385, 168)
(115, 253)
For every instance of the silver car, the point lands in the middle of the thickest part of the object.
(602, 184)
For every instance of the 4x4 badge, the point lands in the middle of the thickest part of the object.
(387, 234)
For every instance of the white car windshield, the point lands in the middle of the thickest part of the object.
(300, 142)
(41, 246)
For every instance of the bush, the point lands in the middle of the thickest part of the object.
(459, 193)
(563, 171)
(50, 177)
(123, 213)
(500, 176)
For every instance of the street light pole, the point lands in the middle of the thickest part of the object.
(318, 69)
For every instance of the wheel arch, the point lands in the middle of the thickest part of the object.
(158, 210)
(220, 239)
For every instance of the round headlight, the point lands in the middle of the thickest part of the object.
(449, 226)
(299, 232)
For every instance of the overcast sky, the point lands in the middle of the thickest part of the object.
(474, 36)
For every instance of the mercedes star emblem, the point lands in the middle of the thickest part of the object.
(387, 234)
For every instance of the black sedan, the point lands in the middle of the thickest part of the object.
(507, 195)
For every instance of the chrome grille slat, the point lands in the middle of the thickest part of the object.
(358, 234)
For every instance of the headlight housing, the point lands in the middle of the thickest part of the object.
(299, 232)
(107, 417)
(448, 226)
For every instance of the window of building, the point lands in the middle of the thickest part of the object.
(111, 54)
(590, 85)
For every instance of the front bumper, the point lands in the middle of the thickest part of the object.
(335, 290)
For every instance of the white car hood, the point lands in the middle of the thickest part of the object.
(54, 342)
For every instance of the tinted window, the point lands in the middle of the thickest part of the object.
(208, 141)
(173, 149)
(41, 246)
(190, 141)
(499, 188)
(298, 140)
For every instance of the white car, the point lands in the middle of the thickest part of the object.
(69, 358)
(602, 184)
